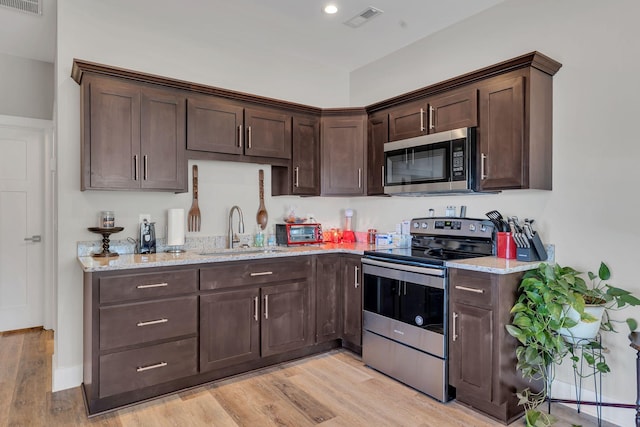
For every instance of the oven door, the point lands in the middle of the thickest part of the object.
(406, 303)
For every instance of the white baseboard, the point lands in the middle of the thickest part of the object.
(620, 416)
(64, 378)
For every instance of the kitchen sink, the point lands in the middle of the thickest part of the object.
(241, 251)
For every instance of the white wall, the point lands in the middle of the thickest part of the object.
(129, 35)
(590, 213)
(26, 87)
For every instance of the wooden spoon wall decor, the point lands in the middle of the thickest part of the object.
(262, 217)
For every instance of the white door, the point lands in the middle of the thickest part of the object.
(21, 228)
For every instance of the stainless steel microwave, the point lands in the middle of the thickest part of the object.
(443, 162)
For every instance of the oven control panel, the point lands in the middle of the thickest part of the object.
(448, 226)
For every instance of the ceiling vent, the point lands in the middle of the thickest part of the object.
(33, 7)
(364, 16)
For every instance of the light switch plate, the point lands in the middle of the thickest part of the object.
(142, 217)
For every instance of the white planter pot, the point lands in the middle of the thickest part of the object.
(583, 330)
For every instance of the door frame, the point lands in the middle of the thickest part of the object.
(49, 236)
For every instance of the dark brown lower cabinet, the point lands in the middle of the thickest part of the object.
(482, 355)
(152, 331)
(286, 318)
(229, 328)
(352, 300)
(328, 297)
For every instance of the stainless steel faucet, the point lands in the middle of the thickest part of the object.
(233, 237)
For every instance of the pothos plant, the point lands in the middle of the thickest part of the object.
(539, 314)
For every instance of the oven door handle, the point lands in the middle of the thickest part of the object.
(404, 267)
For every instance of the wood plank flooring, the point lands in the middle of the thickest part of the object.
(327, 390)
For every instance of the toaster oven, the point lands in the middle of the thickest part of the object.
(298, 234)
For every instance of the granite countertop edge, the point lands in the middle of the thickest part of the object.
(191, 257)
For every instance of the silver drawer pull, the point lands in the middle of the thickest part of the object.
(146, 368)
(154, 285)
(262, 273)
(474, 290)
(152, 322)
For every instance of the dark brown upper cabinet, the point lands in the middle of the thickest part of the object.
(448, 110)
(133, 136)
(218, 126)
(514, 134)
(377, 136)
(305, 161)
(343, 153)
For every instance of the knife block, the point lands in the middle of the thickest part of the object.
(535, 251)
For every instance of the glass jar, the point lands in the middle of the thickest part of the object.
(107, 219)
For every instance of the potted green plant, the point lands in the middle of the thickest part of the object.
(542, 323)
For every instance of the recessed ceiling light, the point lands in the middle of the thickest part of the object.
(330, 9)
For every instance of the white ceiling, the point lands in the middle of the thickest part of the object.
(296, 27)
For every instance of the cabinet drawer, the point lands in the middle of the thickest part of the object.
(243, 273)
(470, 287)
(147, 285)
(143, 367)
(148, 321)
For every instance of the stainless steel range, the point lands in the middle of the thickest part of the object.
(405, 301)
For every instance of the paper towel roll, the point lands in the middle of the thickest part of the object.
(175, 227)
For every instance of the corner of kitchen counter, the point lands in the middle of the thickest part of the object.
(497, 265)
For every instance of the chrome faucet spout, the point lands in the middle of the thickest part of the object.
(233, 237)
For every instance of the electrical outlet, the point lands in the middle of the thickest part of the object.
(142, 217)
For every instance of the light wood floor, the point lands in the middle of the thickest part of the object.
(331, 389)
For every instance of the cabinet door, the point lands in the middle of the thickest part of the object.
(162, 140)
(111, 131)
(378, 134)
(453, 110)
(470, 350)
(342, 156)
(352, 297)
(286, 318)
(328, 298)
(268, 133)
(306, 156)
(408, 121)
(214, 125)
(501, 134)
(229, 328)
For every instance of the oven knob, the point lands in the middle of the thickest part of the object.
(419, 320)
(483, 228)
(425, 225)
(472, 227)
(416, 225)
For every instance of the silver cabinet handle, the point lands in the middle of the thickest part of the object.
(383, 175)
(135, 167)
(240, 136)
(255, 309)
(249, 136)
(455, 335)
(34, 239)
(432, 117)
(355, 277)
(152, 322)
(144, 161)
(474, 290)
(422, 128)
(296, 175)
(359, 177)
(266, 306)
(146, 368)
(262, 273)
(483, 157)
(152, 285)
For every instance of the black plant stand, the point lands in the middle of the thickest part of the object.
(635, 344)
(106, 232)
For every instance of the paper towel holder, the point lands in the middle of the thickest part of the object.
(175, 231)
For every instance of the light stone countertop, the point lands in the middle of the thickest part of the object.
(163, 259)
(130, 261)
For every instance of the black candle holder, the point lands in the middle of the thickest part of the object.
(106, 232)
